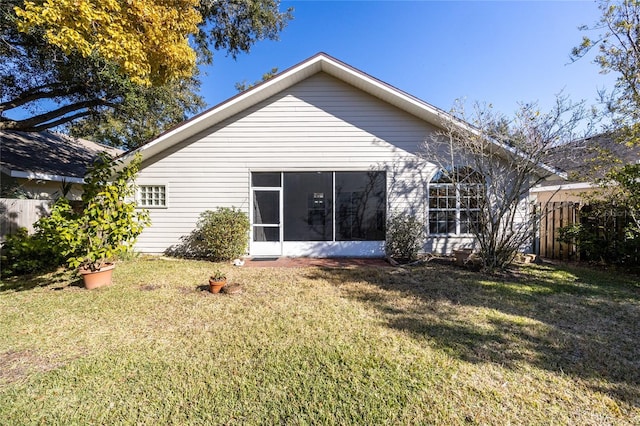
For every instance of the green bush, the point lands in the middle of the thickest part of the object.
(220, 235)
(108, 223)
(224, 233)
(24, 254)
(605, 234)
(404, 237)
(105, 227)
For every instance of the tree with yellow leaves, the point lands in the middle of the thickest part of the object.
(147, 39)
(67, 60)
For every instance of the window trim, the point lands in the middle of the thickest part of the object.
(152, 184)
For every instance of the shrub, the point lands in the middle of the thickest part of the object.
(106, 226)
(219, 235)
(109, 223)
(224, 233)
(24, 254)
(404, 237)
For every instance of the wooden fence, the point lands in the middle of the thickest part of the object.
(16, 213)
(554, 216)
(606, 227)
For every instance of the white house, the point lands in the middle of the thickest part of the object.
(318, 157)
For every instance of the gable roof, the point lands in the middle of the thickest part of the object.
(48, 156)
(320, 62)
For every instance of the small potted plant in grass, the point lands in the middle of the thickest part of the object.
(217, 280)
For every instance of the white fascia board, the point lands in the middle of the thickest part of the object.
(45, 176)
(562, 187)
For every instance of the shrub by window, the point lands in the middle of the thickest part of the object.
(404, 237)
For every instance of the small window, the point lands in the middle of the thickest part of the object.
(152, 196)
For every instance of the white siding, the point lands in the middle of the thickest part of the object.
(320, 124)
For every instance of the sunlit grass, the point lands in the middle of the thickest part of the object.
(432, 344)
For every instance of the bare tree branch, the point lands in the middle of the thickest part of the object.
(44, 121)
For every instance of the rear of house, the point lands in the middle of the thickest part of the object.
(318, 157)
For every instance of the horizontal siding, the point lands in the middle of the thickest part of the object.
(321, 124)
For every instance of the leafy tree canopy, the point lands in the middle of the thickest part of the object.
(144, 113)
(618, 44)
(146, 39)
(115, 67)
(241, 86)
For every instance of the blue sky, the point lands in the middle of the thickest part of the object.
(503, 52)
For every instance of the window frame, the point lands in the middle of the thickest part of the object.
(457, 191)
(139, 197)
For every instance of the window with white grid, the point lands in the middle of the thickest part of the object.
(455, 199)
(152, 196)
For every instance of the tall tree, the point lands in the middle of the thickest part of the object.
(618, 44)
(241, 86)
(69, 67)
(146, 39)
(145, 112)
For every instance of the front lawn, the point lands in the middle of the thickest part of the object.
(427, 345)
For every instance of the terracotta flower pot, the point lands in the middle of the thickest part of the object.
(216, 286)
(100, 278)
(462, 255)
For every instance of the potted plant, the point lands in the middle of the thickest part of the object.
(217, 281)
(462, 255)
(107, 226)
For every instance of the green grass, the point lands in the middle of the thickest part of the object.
(427, 345)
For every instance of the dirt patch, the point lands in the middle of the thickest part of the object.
(149, 287)
(18, 365)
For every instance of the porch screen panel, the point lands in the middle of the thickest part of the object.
(268, 179)
(360, 206)
(308, 203)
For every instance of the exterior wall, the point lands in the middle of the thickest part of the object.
(320, 124)
(564, 195)
(41, 189)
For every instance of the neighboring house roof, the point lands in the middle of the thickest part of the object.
(594, 157)
(48, 156)
(320, 62)
(588, 159)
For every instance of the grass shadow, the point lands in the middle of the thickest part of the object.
(59, 278)
(575, 321)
